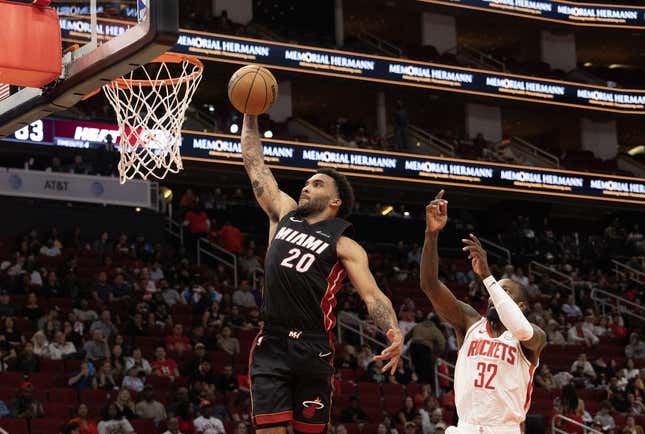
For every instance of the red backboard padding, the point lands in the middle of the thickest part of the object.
(30, 44)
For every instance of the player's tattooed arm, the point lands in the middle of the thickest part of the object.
(460, 315)
(355, 261)
(274, 202)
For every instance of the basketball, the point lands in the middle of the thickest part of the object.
(252, 90)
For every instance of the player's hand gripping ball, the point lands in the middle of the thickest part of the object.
(252, 90)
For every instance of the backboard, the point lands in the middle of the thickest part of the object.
(102, 40)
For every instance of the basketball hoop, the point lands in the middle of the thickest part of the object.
(150, 103)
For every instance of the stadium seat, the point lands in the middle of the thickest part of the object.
(143, 426)
(47, 425)
(59, 409)
(48, 366)
(14, 426)
(65, 396)
(97, 397)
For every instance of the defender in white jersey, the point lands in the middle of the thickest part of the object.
(498, 354)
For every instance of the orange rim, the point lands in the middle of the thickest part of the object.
(126, 83)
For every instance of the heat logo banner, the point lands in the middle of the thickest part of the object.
(565, 12)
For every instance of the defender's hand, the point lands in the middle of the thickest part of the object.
(477, 255)
(393, 352)
(437, 213)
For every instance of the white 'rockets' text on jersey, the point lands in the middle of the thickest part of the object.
(493, 378)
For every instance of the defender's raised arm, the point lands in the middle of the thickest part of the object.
(458, 314)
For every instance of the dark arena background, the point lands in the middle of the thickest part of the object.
(529, 114)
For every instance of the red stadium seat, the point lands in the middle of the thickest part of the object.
(65, 396)
(394, 390)
(46, 380)
(14, 426)
(95, 397)
(347, 374)
(47, 425)
(144, 426)
(48, 365)
(11, 379)
(59, 409)
(413, 389)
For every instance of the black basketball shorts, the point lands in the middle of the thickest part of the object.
(291, 379)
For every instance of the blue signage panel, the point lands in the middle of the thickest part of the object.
(395, 71)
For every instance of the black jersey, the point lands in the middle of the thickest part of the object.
(303, 274)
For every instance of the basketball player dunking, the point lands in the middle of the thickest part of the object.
(310, 252)
(498, 354)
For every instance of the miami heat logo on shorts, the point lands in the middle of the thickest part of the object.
(311, 407)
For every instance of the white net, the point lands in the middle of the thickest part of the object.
(150, 104)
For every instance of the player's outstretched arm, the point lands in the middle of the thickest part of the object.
(379, 307)
(456, 313)
(533, 338)
(274, 202)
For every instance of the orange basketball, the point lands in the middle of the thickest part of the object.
(252, 90)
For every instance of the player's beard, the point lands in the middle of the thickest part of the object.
(492, 315)
(312, 206)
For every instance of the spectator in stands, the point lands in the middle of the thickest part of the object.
(603, 419)
(227, 381)
(231, 237)
(204, 373)
(400, 127)
(86, 425)
(120, 289)
(353, 413)
(71, 428)
(137, 326)
(213, 317)
(426, 343)
(578, 335)
(49, 249)
(571, 309)
(241, 428)
(24, 404)
(7, 308)
(103, 246)
(27, 362)
(60, 348)
(84, 312)
(32, 309)
(133, 380)
(137, 361)
(102, 290)
(544, 378)
(4, 410)
(114, 423)
(617, 326)
(97, 349)
(636, 347)
(188, 199)
(635, 404)
(207, 423)
(631, 427)
(553, 333)
(172, 423)
(177, 342)
(249, 262)
(164, 366)
(581, 363)
(408, 412)
(228, 343)
(125, 405)
(197, 221)
(40, 344)
(243, 296)
(84, 378)
(104, 380)
(104, 325)
(149, 408)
